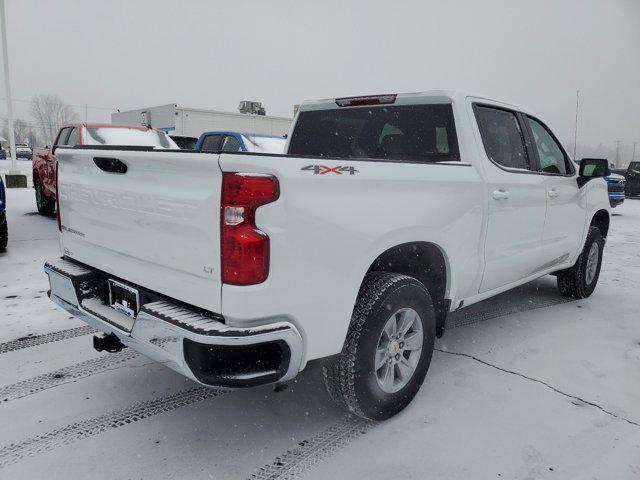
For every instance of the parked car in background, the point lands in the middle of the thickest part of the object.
(616, 188)
(44, 160)
(632, 177)
(219, 141)
(23, 151)
(4, 231)
(387, 213)
(184, 142)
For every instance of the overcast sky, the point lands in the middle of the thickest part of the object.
(210, 54)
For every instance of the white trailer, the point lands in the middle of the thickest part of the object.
(191, 122)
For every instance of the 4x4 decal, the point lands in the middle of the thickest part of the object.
(323, 169)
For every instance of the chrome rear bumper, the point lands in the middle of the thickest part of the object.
(195, 344)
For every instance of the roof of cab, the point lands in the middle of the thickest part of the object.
(428, 96)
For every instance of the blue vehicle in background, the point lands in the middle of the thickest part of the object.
(616, 185)
(227, 141)
(4, 233)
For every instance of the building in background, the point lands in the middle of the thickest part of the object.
(191, 122)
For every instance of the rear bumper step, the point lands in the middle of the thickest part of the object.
(197, 345)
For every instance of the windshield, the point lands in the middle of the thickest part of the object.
(129, 137)
(412, 133)
(262, 144)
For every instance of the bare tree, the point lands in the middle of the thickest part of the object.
(21, 130)
(50, 112)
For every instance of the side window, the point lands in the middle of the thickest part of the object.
(635, 167)
(73, 138)
(550, 155)
(231, 144)
(63, 136)
(211, 143)
(502, 138)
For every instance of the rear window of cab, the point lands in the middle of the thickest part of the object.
(406, 133)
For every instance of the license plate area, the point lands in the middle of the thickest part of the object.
(123, 298)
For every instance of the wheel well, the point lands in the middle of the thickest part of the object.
(601, 220)
(425, 262)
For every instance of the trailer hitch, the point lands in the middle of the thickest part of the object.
(110, 343)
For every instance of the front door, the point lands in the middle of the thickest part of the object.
(517, 200)
(566, 206)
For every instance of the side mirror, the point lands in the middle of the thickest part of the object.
(592, 168)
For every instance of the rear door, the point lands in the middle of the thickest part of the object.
(566, 207)
(149, 218)
(517, 200)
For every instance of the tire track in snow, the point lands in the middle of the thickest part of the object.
(64, 375)
(30, 447)
(307, 453)
(26, 342)
(293, 463)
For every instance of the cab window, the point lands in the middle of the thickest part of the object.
(551, 157)
(231, 144)
(502, 137)
(73, 138)
(211, 143)
(63, 136)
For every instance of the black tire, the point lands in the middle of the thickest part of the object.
(350, 376)
(4, 236)
(46, 205)
(572, 282)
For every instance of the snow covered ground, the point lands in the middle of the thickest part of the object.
(524, 386)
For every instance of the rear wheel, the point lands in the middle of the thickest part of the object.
(580, 280)
(388, 347)
(46, 205)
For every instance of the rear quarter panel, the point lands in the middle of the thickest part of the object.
(327, 229)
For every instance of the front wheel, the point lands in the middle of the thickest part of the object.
(388, 347)
(580, 280)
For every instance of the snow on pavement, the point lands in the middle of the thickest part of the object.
(525, 385)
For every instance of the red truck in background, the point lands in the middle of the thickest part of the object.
(44, 160)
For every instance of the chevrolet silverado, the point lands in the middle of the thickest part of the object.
(386, 213)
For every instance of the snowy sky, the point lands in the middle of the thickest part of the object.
(210, 54)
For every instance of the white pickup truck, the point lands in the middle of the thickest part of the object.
(386, 213)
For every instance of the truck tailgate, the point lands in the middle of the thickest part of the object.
(156, 225)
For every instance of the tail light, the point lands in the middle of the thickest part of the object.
(244, 248)
(58, 201)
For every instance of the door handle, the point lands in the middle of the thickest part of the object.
(111, 165)
(553, 193)
(500, 194)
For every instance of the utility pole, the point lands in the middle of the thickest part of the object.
(14, 178)
(86, 108)
(575, 132)
(633, 157)
(617, 161)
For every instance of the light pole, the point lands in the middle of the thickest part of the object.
(14, 178)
